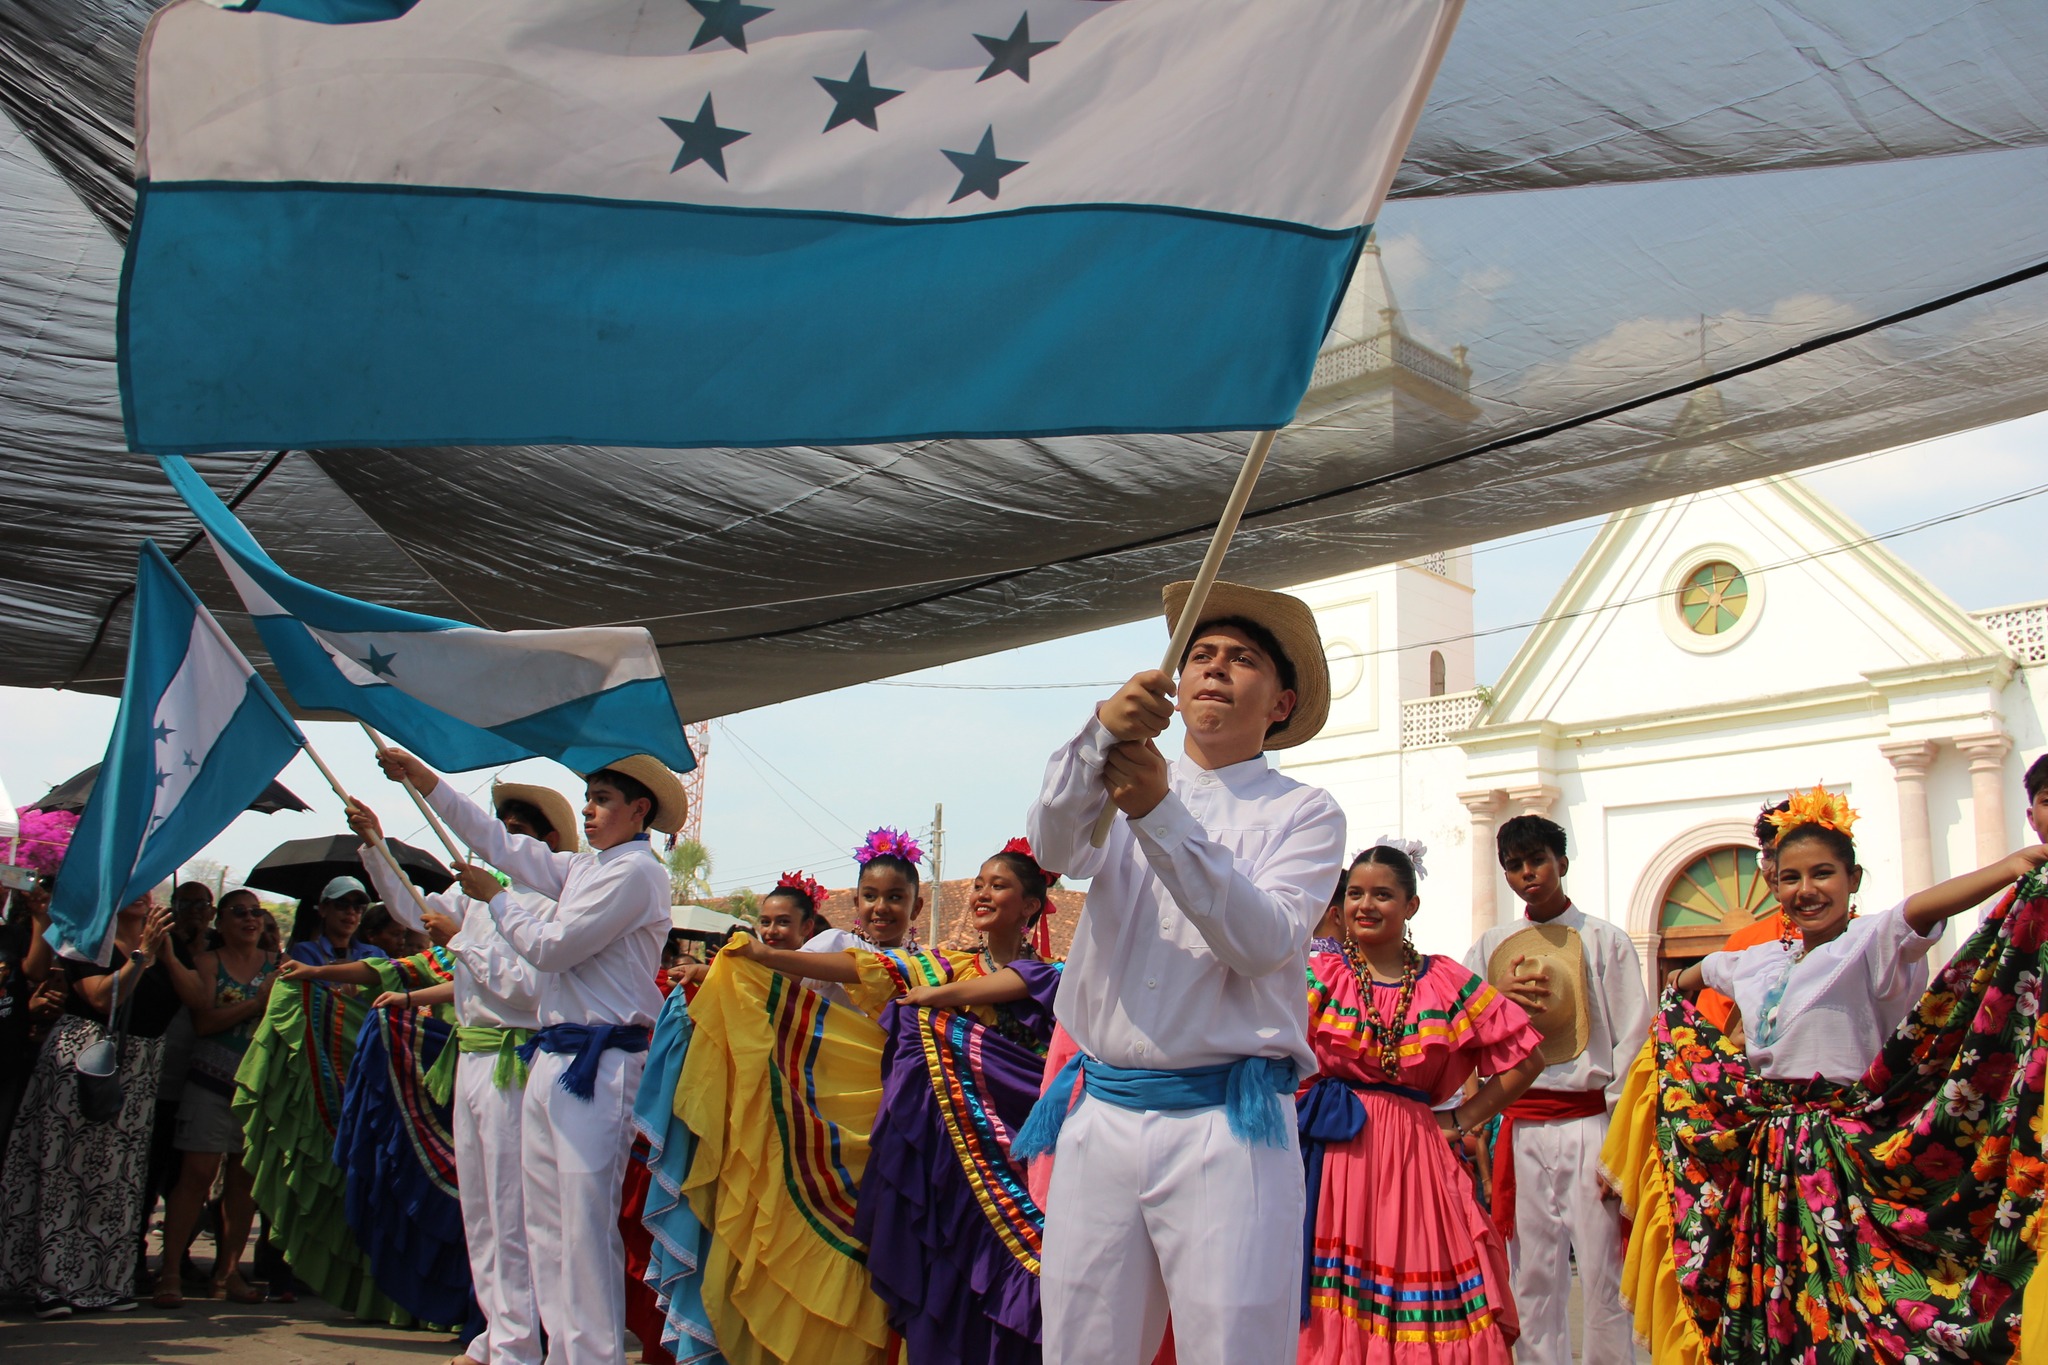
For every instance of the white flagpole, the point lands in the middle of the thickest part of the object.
(384, 849)
(1198, 594)
(447, 839)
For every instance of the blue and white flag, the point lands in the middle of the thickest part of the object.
(198, 737)
(457, 695)
(712, 222)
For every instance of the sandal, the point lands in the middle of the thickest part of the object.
(167, 1294)
(237, 1290)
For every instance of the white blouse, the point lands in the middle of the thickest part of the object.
(1835, 1005)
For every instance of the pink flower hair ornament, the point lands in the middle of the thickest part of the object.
(888, 843)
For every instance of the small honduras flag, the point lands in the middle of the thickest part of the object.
(712, 222)
(198, 737)
(457, 695)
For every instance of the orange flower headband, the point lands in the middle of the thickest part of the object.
(1829, 810)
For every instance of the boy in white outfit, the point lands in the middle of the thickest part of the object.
(1178, 1185)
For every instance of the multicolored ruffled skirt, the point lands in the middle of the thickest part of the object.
(1892, 1220)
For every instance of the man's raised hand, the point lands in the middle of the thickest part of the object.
(400, 766)
(1141, 709)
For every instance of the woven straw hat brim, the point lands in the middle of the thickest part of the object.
(1293, 625)
(671, 802)
(559, 809)
(1566, 1023)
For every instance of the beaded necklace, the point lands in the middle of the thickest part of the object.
(1384, 1032)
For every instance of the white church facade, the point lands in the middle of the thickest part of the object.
(1706, 656)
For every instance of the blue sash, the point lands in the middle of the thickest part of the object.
(1249, 1090)
(586, 1045)
(1327, 1113)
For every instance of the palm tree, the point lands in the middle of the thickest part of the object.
(689, 871)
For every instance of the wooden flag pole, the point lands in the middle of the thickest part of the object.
(447, 839)
(384, 849)
(1198, 594)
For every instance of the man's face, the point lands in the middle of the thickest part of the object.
(195, 911)
(1533, 876)
(609, 818)
(518, 824)
(1230, 690)
(2037, 815)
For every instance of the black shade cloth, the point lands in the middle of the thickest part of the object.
(1636, 250)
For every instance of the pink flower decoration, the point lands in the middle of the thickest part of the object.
(45, 836)
(888, 843)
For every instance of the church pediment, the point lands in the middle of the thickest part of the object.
(1757, 592)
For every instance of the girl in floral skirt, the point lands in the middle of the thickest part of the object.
(1856, 1185)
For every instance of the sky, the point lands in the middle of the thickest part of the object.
(797, 785)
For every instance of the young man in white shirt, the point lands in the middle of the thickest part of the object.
(598, 952)
(496, 997)
(1548, 1200)
(1178, 1187)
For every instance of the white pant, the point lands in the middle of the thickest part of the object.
(491, 1179)
(1559, 1209)
(575, 1156)
(1156, 1213)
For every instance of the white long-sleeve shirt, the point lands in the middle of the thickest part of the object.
(1194, 945)
(1617, 1006)
(598, 950)
(1840, 1001)
(494, 986)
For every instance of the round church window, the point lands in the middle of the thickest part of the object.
(1713, 598)
(1721, 890)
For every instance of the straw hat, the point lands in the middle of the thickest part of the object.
(671, 803)
(1292, 624)
(1555, 953)
(559, 809)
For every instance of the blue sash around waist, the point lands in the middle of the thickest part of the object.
(585, 1045)
(1249, 1089)
(1327, 1113)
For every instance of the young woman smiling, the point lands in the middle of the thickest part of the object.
(1392, 1218)
(1836, 1190)
(951, 1231)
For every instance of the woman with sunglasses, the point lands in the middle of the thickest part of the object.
(227, 991)
(329, 929)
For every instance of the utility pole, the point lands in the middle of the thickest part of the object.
(938, 869)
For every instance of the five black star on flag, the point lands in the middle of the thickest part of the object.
(703, 139)
(854, 99)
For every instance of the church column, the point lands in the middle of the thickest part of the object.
(1987, 792)
(1910, 760)
(1536, 799)
(1485, 807)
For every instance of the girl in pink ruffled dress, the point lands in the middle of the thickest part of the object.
(1401, 1265)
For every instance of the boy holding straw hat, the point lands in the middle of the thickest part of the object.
(1580, 979)
(598, 951)
(1178, 1186)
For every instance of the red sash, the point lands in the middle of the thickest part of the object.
(1535, 1106)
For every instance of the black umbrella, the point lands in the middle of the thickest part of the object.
(301, 867)
(72, 794)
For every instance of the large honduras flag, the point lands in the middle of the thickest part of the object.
(198, 737)
(456, 694)
(709, 222)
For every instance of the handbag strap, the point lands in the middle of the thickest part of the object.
(116, 1026)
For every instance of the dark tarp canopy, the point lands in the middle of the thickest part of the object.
(1636, 250)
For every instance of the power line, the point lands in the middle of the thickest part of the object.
(845, 824)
